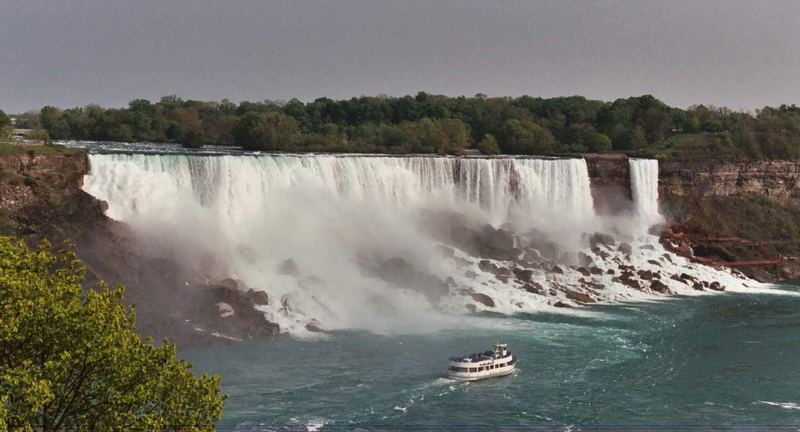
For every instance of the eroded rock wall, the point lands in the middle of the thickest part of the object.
(775, 179)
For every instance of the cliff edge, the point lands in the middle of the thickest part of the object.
(41, 198)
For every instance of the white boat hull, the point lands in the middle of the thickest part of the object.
(468, 370)
(476, 376)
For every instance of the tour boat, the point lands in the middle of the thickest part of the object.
(488, 364)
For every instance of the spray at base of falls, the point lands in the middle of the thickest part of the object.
(358, 241)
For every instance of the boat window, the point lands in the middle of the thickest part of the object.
(473, 369)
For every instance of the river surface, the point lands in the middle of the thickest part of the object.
(728, 361)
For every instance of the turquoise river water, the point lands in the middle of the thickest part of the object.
(727, 361)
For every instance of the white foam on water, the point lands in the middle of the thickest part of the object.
(786, 405)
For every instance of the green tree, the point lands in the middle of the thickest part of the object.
(488, 145)
(266, 131)
(72, 361)
(526, 137)
(53, 122)
(598, 142)
(5, 125)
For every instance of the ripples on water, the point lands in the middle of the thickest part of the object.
(717, 360)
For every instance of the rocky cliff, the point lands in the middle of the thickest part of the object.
(610, 183)
(41, 198)
(775, 179)
(757, 201)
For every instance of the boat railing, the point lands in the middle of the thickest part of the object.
(475, 357)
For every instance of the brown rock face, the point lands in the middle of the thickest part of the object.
(610, 183)
(777, 179)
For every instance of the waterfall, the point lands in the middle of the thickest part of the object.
(644, 188)
(233, 186)
(336, 217)
(390, 243)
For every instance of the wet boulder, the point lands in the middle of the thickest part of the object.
(315, 327)
(658, 286)
(579, 296)
(716, 286)
(585, 260)
(598, 239)
(258, 297)
(498, 243)
(625, 248)
(483, 299)
(534, 288)
(523, 275)
(646, 274)
(487, 266)
(503, 274)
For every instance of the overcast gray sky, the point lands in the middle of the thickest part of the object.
(740, 54)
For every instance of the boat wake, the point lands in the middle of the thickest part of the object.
(786, 405)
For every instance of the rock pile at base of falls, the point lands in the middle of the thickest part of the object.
(559, 278)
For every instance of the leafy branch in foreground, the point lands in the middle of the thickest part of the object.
(71, 360)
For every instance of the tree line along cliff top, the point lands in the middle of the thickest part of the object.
(427, 123)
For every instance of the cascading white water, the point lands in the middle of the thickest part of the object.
(338, 218)
(644, 187)
(332, 215)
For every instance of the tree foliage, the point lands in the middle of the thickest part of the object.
(71, 360)
(428, 123)
(5, 125)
